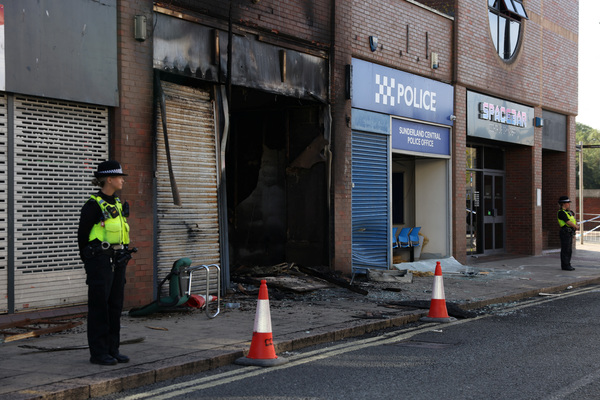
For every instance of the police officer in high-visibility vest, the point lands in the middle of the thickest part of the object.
(568, 226)
(103, 239)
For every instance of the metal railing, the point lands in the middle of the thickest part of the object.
(590, 228)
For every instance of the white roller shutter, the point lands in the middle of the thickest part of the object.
(192, 229)
(57, 146)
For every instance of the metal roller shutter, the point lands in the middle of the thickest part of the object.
(3, 204)
(192, 229)
(57, 146)
(370, 201)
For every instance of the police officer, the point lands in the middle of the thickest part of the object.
(103, 238)
(568, 226)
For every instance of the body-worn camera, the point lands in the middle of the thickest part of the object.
(112, 210)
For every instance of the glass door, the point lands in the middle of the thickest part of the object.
(473, 209)
(493, 212)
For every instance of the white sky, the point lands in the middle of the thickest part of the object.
(589, 63)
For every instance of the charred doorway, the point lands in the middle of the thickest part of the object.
(276, 181)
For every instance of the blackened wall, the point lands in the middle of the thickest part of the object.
(294, 20)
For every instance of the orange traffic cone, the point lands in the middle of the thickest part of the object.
(262, 350)
(198, 300)
(437, 309)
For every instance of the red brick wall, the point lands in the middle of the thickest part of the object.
(459, 166)
(547, 56)
(132, 145)
(388, 20)
(520, 199)
(445, 6)
(554, 185)
(542, 75)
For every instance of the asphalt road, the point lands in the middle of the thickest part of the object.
(545, 348)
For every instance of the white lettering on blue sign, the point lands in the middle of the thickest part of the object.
(503, 115)
(417, 137)
(411, 96)
(417, 98)
(397, 93)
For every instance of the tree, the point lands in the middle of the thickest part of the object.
(591, 157)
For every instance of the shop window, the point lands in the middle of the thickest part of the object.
(473, 160)
(506, 18)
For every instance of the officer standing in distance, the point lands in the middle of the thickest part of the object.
(103, 238)
(568, 226)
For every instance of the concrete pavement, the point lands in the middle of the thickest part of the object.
(167, 345)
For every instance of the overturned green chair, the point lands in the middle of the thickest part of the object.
(177, 294)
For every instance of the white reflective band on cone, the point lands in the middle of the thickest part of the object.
(262, 320)
(438, 288)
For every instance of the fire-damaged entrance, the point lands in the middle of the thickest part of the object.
(254, 112)
(277, 180)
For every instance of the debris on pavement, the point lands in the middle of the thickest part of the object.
(284, 276)
(30, 328)
(291, 277)
(372, 315)
(394, 275)
(157, 328)
(331, 277)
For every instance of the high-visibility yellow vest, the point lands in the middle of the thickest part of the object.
(114, 230)
(571, 218)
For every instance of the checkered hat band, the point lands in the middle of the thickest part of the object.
(111, 171)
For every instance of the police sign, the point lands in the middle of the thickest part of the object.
(386, 90)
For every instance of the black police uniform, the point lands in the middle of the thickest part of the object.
(566, 240)
(106, 285)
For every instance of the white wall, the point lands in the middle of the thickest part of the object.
(432, 205)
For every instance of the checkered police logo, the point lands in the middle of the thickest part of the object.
(384, 92)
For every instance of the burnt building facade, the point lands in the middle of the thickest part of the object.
(259, 132)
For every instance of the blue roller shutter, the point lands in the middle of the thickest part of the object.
(370, 201)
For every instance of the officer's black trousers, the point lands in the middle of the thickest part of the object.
(566, 248)
(105, 304)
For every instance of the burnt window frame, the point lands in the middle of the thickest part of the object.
(507, 14)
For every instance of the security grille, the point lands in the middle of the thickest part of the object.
(57, 147)
(3, 203)
(192, 229)
(370, 201)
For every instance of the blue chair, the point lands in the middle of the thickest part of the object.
(414, 236)
(403, 239)
(394, 240)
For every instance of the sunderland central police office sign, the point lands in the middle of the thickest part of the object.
(420, 138)
(389, 91)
